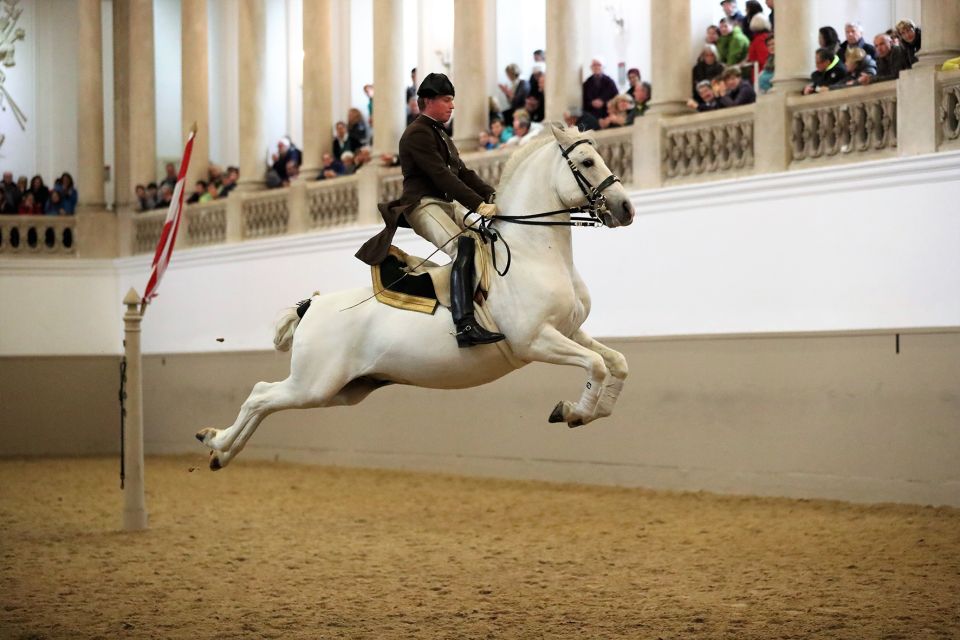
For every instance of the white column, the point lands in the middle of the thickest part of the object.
(669, 24)
(135, 137)
(564, 84)
(90, 106)
(195, 96)
(318, 115)
(471, 53)
(389, 77)
(940, 24)
(796, 45)
(134, 503)
(251, 45)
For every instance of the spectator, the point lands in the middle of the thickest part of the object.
(598, 89)
(413, 109)
(331, 167)
(734, 90)
(54, 206)
(166, 197)
(68, 193)
(854, 34)
(22, 185)
(287, 153)
(29, 206)
(229, 181)
(11, 194)
(412, 89)
(754, 8)
(733, 46)
(620, 112)
(486, 141)
(770, 6)
(953, 64)
(171, 175)
(758, 52)
(909, 38)
(582, 121)
(40, 191)
(707, 68)
(152, 196)
(830, 71)
(534, 107)
(634, 80)
(765, 81)
(349, 166)
(858, 63)
(368, 91)
(362, 156)
(199, 190)
(356, 128)
(539, 57)
(214, 173)
(707, 98)
(211, 193)
(293, 172)
(515, 90)
(342, 141)
(713, 35)
(523, 132)
(732, 14)
(641, 98)
(538, 80)
(829, 39)
(500, 132)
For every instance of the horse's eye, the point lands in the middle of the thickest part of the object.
(588, 162)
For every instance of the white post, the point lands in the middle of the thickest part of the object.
(134, 504)
(470, 36)
(389, 78)
(564, 82)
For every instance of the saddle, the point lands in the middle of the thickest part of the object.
(414, 284)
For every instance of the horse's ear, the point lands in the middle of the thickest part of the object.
(561, 135)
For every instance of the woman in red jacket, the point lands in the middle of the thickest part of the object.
(758, 52)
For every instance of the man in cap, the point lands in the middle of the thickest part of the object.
(433, 177)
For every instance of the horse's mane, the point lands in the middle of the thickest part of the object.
(516, 159)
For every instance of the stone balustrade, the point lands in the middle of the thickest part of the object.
(710, 145)
(851, 125)
(847, 125)
(948, 88)
(37, 235)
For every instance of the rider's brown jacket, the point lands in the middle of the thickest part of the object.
(431, 167)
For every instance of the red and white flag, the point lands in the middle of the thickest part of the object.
(161, 258)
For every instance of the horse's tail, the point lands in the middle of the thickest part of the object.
(287, 325)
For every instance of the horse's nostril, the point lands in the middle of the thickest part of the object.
(628, 208)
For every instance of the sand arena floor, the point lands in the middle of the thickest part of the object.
(264, 550)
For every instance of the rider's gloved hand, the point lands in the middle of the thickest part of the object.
(487, 210)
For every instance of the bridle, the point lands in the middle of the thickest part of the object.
(595, 207)
(596, 201)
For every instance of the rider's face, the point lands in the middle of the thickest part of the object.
(440, 108)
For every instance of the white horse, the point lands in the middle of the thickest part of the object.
(340, 356)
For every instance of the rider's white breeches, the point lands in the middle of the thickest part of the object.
(437, 221)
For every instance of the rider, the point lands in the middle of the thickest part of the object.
(433, 177)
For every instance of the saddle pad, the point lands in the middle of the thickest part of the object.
(396, 287)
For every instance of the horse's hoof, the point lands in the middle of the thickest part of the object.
(575, 424)
(215, 463)
(199, 436)
(557, 414)
(206, 435)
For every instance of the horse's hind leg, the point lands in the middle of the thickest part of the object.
(266, 398)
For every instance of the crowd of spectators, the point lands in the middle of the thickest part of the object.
(35, 198)
(738, 57)
(158, 195)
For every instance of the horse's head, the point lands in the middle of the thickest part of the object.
(584, 180)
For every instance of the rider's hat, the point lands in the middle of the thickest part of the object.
(435, 84)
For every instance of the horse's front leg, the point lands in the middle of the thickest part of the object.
(554, 347)
(616, 369)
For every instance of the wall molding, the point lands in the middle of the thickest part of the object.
(893, 172)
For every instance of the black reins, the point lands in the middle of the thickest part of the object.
(596, 203)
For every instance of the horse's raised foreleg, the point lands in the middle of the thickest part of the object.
(554, 347)
(616, 372)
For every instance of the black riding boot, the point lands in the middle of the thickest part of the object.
(469, 332)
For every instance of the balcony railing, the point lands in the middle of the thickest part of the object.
(711, 145)
(782, 133)
(848, 125)
(37, 235)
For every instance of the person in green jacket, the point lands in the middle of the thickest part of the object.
(732, 45)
